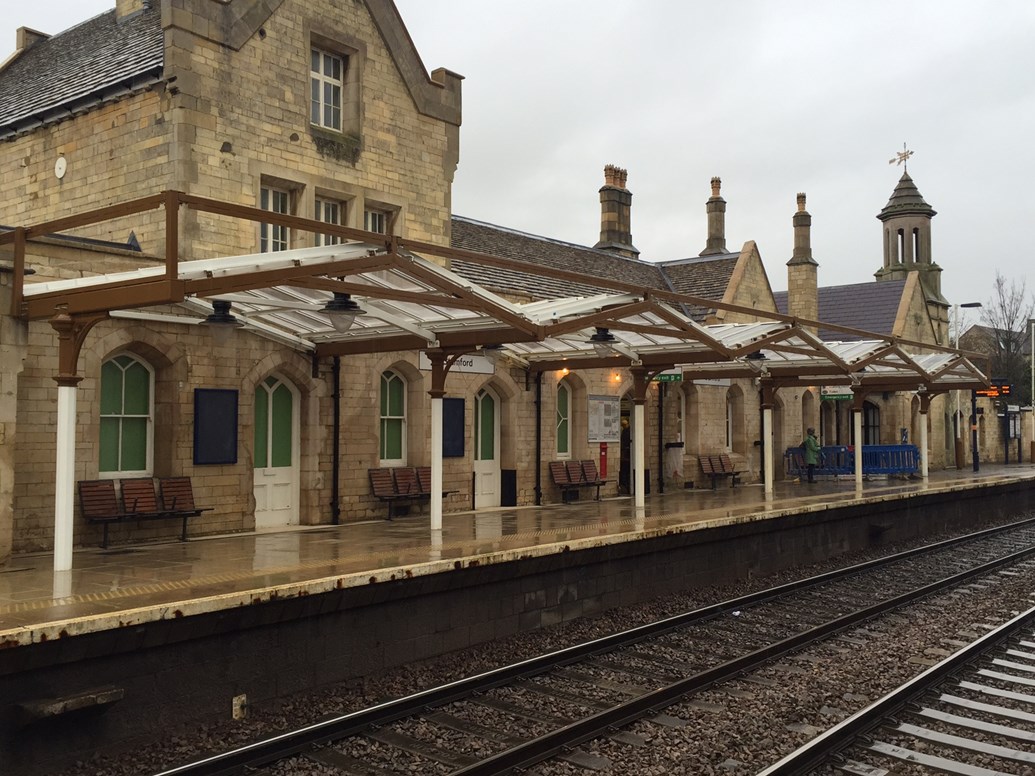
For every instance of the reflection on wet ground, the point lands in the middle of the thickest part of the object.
(150, 581)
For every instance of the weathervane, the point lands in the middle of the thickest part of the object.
(902, 157)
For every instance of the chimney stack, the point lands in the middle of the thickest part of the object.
(124, 8)
(26, 37)
(615, 214)
(716, 206)
(802, 269)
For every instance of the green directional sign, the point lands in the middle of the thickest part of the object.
(669, 377)
(835, 392)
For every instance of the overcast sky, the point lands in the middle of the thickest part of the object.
(773, 97)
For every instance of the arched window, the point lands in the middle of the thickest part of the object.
(127, 401)
(916, 245)
(486, 426)
(563, 427)
(393, 419)
(730, 410)
(274, 424)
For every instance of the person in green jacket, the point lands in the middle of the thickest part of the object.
(811, 447)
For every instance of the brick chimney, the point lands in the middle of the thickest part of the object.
(615, 214)
(802, 269)
(716, 206)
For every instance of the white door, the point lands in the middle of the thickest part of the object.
(276, 454)
(486, 449)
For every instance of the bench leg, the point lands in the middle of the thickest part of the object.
(183, 533)
(104, 540)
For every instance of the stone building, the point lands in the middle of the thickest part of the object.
(324, 111)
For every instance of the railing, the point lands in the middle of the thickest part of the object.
(840, 460)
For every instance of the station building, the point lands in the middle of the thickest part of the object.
(323, 111)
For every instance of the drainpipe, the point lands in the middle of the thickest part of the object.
(538, 439)
(661, 437)
(336, 442)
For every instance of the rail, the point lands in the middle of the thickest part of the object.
(535, 750)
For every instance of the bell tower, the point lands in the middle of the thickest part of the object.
(907, 238)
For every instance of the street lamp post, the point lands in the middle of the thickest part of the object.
(957, 419)
(1031, 397)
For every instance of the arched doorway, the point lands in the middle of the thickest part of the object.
(275, 474)
(486, 449)
(871, 423)
(808, 416)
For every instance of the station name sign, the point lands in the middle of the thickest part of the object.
(471, 363)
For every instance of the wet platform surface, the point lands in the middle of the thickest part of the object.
(140, 583)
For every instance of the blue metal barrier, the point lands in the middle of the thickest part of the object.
(890, 459)
(840, 460)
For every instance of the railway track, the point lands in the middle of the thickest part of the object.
(513, 717)
(973, 714)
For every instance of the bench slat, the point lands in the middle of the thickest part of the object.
(139, 497)
(406, 481)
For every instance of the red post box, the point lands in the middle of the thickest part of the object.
(603, 460)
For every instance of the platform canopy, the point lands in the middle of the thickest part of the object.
(406, 301)
(370, 293)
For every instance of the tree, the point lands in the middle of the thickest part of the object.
(1006, 315)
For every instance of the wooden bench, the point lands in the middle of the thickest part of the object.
(591, 476)
(569, 476)
(717, 467)
(177, 500)
(382, 485)
(99, 503)
(407, 484)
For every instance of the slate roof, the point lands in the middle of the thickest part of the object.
(96, 61)
(506, 243)
(707, 276)
(906, 199)
(871, 306)
(983, 339)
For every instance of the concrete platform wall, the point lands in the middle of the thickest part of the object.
(180, 671)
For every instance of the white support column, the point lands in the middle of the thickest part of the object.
(436, 463)
(857, 424)
(767, 447)
(923, 443)
(64, 478)
(638, 457)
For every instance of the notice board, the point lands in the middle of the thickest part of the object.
(453, 428)
(215, 426)
(604, 419)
